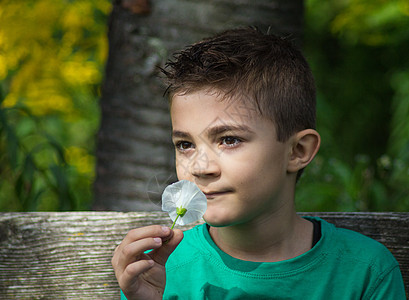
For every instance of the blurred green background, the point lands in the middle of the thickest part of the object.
(52, 56)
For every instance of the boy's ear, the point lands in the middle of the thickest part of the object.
(305, 145)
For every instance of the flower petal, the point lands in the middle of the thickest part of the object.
(168, 198)
(190, 217)
(187, 195)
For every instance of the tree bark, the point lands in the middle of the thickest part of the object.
(134, 151)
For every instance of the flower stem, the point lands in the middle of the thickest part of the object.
(174, 222)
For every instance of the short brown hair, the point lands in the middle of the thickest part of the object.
(246, 63)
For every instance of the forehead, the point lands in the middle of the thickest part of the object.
(214, 101)
(199, 113)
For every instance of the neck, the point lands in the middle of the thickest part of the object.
(276, 238)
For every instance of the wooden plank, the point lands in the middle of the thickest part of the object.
(66, 255)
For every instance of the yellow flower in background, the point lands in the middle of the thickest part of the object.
(81, 159)
(49, 104)
(56, 41)
(3, 67)
(77, 15)
(52, 56)
(84, 72)
(10, 100)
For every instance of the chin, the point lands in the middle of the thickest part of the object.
(216, 220)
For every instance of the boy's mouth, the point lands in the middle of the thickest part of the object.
(214, 194)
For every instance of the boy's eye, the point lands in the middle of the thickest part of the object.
(183, 145)
(230, 141)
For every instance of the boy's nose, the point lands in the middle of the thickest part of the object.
(204, 165)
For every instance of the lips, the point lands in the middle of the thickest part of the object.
(214, 194)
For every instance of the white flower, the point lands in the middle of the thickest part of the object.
(184, 202)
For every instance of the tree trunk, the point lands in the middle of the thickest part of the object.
(134, 151)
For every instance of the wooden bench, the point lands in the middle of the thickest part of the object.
(66, 255)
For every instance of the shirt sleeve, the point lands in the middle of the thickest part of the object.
(390, 287)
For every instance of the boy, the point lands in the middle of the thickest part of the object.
(243, 116)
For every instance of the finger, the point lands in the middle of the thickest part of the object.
(132, 271)
(138, 234)
(130, 275)
(145, 232)
(161, 254)
(132, 252)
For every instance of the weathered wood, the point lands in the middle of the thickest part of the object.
(50, 255)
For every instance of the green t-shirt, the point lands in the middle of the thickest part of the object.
(342, 265)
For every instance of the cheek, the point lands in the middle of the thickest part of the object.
(259, 170)
(241, 170)
(182, 168)
(180, 171)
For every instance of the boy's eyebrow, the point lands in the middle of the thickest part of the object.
(218, 130)
(180, 134)
(213, 131)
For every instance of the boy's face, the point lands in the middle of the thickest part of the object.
(232, 154)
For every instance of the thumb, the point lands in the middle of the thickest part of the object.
(161, 254)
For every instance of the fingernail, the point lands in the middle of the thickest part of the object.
(157, 240)
(166, 230)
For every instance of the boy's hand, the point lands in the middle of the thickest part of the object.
(140, 275)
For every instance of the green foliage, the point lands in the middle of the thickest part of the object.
(52, 55)
(330, 184)
(35, 174)
(357, 49)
